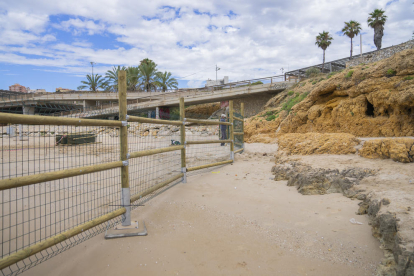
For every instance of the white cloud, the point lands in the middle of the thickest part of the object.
(187, 36)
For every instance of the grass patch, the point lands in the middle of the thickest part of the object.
(293, 101)
(271, 118)
(314, 82)
(391, 72)
(349, 74)
(290, 93)
(408, 78)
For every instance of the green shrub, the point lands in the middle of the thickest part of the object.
(303, 84)
(352, 113)
(290, 93)
(256, 83)
(271, 118)
(268, 113)
(408, 78)
(314, 82)
(391, 72)
(349, 74)
(293, 101)
(311, 72)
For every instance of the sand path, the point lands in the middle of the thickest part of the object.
(233, 220)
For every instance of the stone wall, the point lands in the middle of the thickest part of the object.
(252, 104)
(381, 54)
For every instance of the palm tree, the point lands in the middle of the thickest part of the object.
(376, 20)
(93, 83)
(165, 81)
(148, 69)
(112, 77)
(323, 40)
(351, 29)
(133, 78)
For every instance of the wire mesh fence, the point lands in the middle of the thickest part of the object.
(61, 181)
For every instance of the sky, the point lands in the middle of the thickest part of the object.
(47, 44)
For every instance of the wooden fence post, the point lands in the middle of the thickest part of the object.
(231, 120)
(182, 133)
(125, 192)
(242, 114)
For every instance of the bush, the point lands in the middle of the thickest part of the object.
(311, 72)
(271, 118)
(391, 72)
(408, 78)
(269, 113)
(293, 101)
(256, 83)
(314, 82)
(290, 93)
(349, 74)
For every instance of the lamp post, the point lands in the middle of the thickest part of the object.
(92, 63)
(216, 72)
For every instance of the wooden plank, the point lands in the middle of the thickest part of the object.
(239, 150)
(154, 151)
(208, 142)
(207, 122)
(238, 133)
(49, 176)
(209, 165)
(154, 121)
(238, 119)
(38, 247)
(48, 120)
(156, 187)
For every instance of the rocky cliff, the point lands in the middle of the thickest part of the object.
(366, 101)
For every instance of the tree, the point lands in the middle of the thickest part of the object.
(351, 29)
(112, 77)
(133, 78)
(148, 70)
(93, 83)
(376, 20)
(323, 40)
(165, 81)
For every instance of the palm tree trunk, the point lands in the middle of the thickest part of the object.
(323, 63)
(351, 49)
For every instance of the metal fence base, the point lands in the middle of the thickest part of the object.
(126, 231)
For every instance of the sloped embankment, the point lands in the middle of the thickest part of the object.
(371, 100)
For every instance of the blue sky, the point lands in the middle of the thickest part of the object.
(48, 44)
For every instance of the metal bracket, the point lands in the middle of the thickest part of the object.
(125, 163)
(184, 121)
(184, 171)
(125, 235)
(128, 155)
(127, 117)
(232, 155)
(124, 123)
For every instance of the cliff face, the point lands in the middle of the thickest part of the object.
(367, 100)
(372, 100)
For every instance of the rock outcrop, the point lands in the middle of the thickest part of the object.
(399, 149)
(318, 143)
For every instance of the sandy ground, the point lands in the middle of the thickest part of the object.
(233, 220)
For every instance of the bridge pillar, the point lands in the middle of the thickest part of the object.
(88, 103)
(29, 110)
(157, 112)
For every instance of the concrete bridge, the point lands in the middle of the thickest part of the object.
(251, 95)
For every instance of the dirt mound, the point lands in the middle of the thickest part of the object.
(400, 149)
(318, 143)
(259, 130)
(203, 109)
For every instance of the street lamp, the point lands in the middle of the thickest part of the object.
(216, 72)
(92, 63)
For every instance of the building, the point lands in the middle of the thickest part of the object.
(218, 82)
(18, 88)
(60, 89)
(35, 90)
